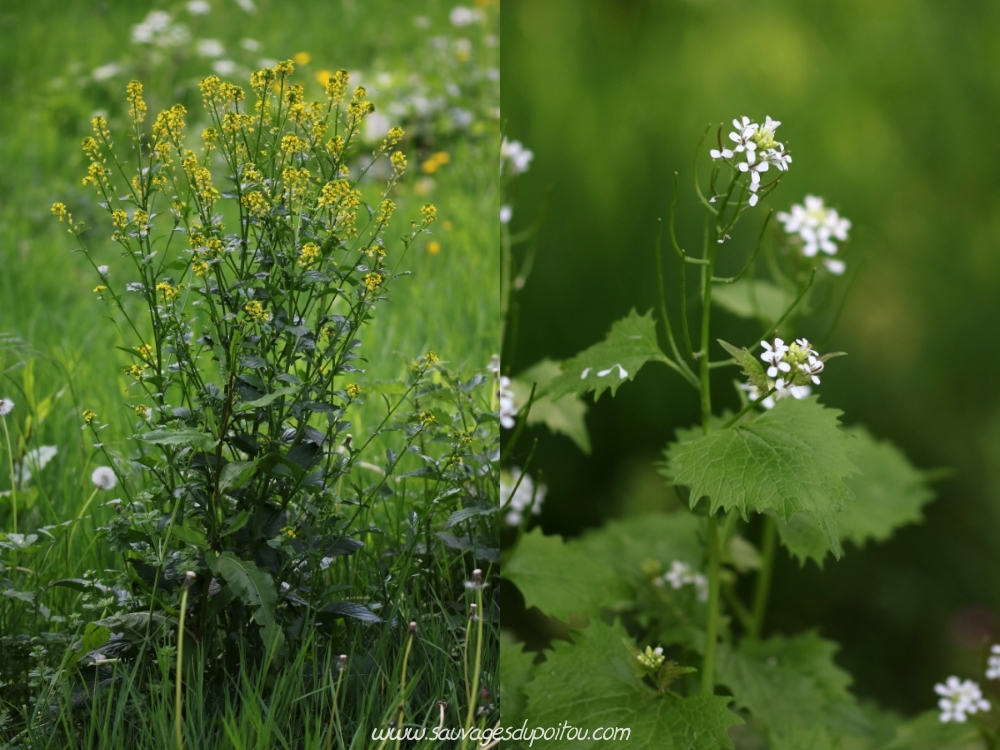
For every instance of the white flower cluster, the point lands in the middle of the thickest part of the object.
(817, 227)
(797, 364)
(462, 16)
(6, 406)
(760, 149)
(508, 407)
(795, 391)
(529, 496)
(518, 156)
(993, 664)
(959, 699)
(159, 30)
(679, 575)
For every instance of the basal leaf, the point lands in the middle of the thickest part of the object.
(796, 695)
(255, 588)
(564, 415)
(792, 459)
(629, 345)
(583, 575)
(750, 365)
(889, 493)
(590, 683)
(750, 298)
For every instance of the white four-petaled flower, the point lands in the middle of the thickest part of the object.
(993, 664)
(817, 226)
(508, 407)
(518, 156)
(528, 497)
(959, 699)
(759, 148)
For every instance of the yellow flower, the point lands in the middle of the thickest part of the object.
(431, 358)
(309, 254)
(285, 68)
(135, 371)
(146, 352)
(398, 160)
(353, 390)
(89, 416)
(170, 293)
(59, 209)
(433, 247)
(373, 281)
(136, 104)
(143, 412)
(199, 267)
(302, 58)
(336, 86)
(426, 418)
(99, 288)
(288, 530)
(257, 312)
(429, 212)
(385, 210)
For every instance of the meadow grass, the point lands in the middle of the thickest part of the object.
(58, 356)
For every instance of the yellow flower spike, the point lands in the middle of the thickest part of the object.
(398, 161)
(373, 281)
(169, 293)
(89, 416)
(336, 86)
(285, 68)
(136, 104)
(199, 267)
(353, 390)
(302, 58)
(59, 211)
(429, 212)
(309, 254)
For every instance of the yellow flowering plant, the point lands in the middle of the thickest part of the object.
(256, 261)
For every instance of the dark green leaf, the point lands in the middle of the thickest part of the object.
(750, 298)
(590, 682)
(629, 345)
(751, 367)
(255, 588)
(792, 459)
(194, 438)
(564, 415)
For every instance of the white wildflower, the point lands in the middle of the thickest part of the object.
(105, 72)
(959, 698)
(993, 665)
(250, 45)
(508, 407)
(6, 406)
(104, 478)
(795, 391)
(198, 7)
(224, 67)
(462, 16)
(757, 144)
(680, 575)
(247, 5)
(159, 30)
(505, 214)
(211, 48)
(103, 271)
(797, 364)
(518, 156)
(528, 498)
(816, 227)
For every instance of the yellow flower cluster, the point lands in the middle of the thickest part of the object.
(99, 288)
(434, 161)
(136, 104)
(385, 211)
(168, 292)
(296, 182)
(373, 281)
(284, 68)
(199, 267)
(257, 312)
(292, 144)
(353, 390)
(394, 136)
(201, 178)
(336, 87)
(89, 416)
(398, 161)
(340, 197)
(431, 359)
(358, 108)
(429, 212)
(255, 203)
(426, 418)
(309, 254)
(147, 352)
(169, 124)
(135, 372)
(59, 211)
(100, 126)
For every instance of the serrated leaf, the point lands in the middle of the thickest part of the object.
(583, 575)
(752, 368)
(750, 298)
(163, 436)
(792, 459)
(564, 415)
(515, 671)
(255, 588)
(889, 493)
(590, 683)
(629, 345)
(796, 695)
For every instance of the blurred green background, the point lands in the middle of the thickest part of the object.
(890, 110)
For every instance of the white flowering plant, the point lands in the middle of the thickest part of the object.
(688, 591)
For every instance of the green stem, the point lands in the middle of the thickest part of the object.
(712, 620)
(682, 366)
(763, 589)
(179, 673)
(13, 483)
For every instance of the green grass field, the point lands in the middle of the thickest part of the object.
(59, 356)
